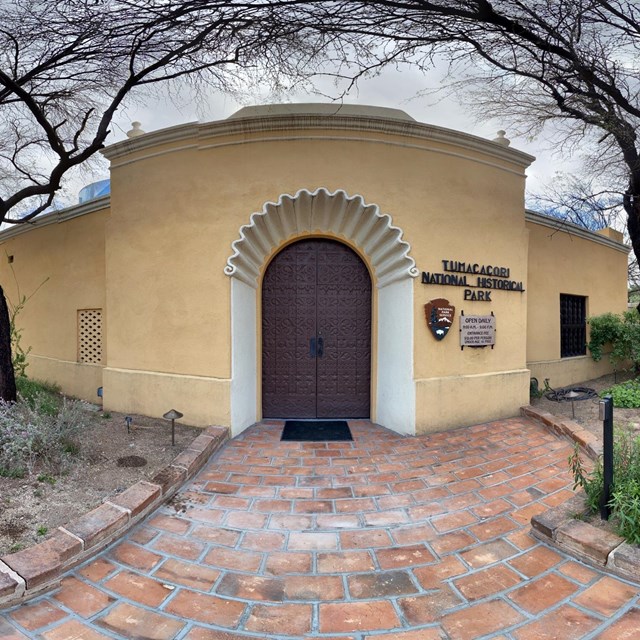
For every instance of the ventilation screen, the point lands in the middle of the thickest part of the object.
(90, 336)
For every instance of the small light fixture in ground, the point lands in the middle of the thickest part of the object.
(173, 415)
(572, 395)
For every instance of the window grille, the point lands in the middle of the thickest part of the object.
(573, 326)
(90, 336)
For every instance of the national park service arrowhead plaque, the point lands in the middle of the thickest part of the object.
(440, 315)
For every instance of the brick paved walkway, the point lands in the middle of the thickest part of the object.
(386, 538)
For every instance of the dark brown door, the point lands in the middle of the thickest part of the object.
(316, 333)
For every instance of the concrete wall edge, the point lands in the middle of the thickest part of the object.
(55, 217)
(573, 229)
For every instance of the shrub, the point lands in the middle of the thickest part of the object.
(31, 434)
(625, 494)
(622, 332)
(605, 329)
(47, 392)
(625, 395)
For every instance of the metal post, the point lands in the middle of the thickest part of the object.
(173, 415)
(606, 414)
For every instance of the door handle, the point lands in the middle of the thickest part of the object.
(312, 347)
(320, 346)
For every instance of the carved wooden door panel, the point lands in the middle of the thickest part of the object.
(344, 326)
(316, 333)
(288, 322)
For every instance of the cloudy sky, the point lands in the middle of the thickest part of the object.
(397, 89)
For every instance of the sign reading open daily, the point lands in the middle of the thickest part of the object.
(477, 331)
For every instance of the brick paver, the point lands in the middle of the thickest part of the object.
(386, 537)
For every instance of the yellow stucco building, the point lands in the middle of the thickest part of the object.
(278, 264)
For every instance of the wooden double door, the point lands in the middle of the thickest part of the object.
(316, 333)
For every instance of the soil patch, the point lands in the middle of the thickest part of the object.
(586, 414)
(110, 460)
(586, 411)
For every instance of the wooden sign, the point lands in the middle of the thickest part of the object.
(440, 315)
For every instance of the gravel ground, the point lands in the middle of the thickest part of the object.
(29, 508)
(586, 411)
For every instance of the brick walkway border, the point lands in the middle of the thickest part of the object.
(29, 572)
(563, 527)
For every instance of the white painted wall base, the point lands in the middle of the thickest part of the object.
(395, 393)
(244, 366)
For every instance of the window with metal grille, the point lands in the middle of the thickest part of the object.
(90, 336)
(573, 325)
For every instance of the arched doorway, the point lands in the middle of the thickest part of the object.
(316, 332)
(393, 271)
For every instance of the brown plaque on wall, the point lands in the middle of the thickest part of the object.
(439, 314)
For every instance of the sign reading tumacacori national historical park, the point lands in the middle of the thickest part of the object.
(472, 275)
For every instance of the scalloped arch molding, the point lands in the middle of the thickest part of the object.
(388, 254)
(346, 216)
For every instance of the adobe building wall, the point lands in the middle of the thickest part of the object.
(176, 257)
(178, 204)
(60, 263)
(565, 259)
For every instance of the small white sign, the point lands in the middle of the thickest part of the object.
(477, 331)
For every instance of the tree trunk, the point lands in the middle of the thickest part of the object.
(7, 377)
(631, 202)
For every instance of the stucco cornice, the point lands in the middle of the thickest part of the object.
(320, 211)
(203, 135)
(56, 217)
(574, 230)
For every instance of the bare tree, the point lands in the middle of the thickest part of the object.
(571, 64)
(66, 66)
(580, 200)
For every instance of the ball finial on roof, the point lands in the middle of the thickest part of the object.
(136, 130)
(501, 139)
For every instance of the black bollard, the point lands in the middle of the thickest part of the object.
(173, 415)
(606, 415)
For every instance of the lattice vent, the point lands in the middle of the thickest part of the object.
(90, 336)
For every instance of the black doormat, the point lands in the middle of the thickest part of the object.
(315, 430)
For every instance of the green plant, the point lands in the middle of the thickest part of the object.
(12, 473)
(625, 395)
(16, 546)
(47, 394)
(45, 477)
(42, 530)
(71, 447)
(605, 329)
(18, 353)
(106, 415)
(534, 389)
(31, 434)
(625, 503)
(625, 494)
(37, 493)
(622, 332)
(591, 482)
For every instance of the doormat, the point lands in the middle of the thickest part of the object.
(315, 430)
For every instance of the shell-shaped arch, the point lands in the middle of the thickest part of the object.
(321, 211)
